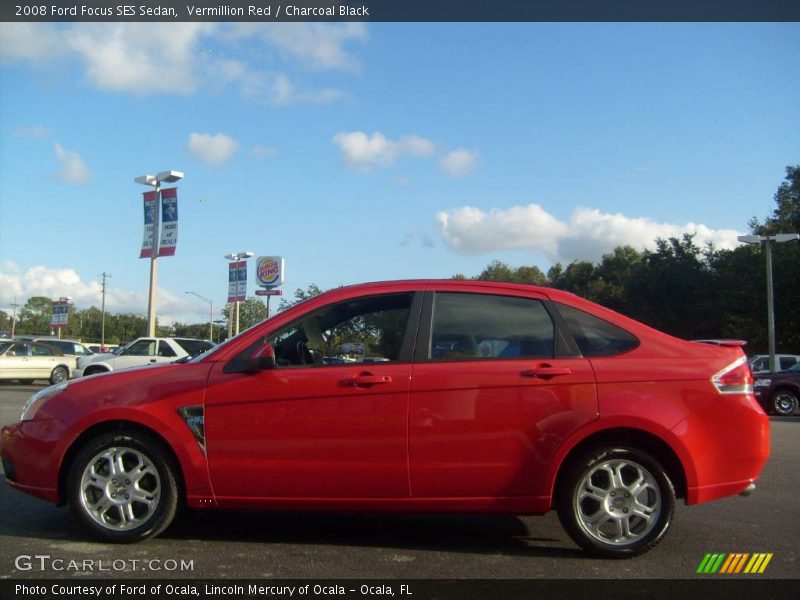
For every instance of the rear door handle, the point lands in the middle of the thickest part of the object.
(547, 371)
(369, 379)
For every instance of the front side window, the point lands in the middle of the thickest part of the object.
(481, 326)
(194, 347)
(361, 330)
(594, 336)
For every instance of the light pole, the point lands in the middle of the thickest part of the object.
(103, 312)
(210, 314)
(767, 239)
(236, 257)
(155, 182)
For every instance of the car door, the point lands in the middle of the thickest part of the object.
(15, 362)
(43, 360)
(496, 387)
(141, 352)
(326, 422)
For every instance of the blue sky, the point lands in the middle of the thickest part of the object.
(363, 152)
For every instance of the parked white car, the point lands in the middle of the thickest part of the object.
(140, 352)
(25, 361)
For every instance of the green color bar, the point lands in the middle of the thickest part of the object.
(702, 566)
(718, 563)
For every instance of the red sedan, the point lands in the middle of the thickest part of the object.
(440, 396)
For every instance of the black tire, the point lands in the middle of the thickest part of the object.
(582, 492)
(157, 482)
(59, 375)
(783, 403)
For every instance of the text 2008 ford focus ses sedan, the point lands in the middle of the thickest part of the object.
(409, 396)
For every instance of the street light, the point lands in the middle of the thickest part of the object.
(210, 314)
(236, 257)
(155, 182)
(758, 239)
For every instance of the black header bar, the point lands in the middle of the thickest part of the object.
(401, 10)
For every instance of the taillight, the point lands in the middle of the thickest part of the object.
(736, 378)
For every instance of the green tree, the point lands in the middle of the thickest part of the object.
(34, 317)
(251, 312)
(300, 295)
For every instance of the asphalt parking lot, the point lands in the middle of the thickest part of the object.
(317, 545)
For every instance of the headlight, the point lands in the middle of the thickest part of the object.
(39, 398)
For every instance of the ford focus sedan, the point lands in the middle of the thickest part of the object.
(449, 396)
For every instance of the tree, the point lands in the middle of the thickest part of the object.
(34, 317)
(251, 312)
(300, 296)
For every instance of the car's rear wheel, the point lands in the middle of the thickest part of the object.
(615, 502)
(59, 375)
(122, 487)
(784, 402)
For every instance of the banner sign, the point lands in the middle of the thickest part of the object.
(269, 271)
(169, 222)
(237, 281)
(149, 213)
(60, 314)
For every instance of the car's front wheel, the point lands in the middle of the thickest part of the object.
(784, 402)
(122, 487)
(615, 502)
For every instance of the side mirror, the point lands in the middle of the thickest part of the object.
(264, 357)
(261, 360)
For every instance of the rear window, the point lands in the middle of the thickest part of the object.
(594, 336)
(194, 347)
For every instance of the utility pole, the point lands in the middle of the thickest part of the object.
(103, 312)
(14, 306)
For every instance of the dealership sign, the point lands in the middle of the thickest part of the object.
(237, 281)
(269, 271)
(60, 314)
(169, 222)
(149, 214)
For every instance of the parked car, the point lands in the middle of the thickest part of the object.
(759, 364)
(496, 398)
(779, 393)
(141, 351)
(26, 361)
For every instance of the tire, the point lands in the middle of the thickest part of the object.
(598, 497)
(783, 403)
(59, 375)
(138, 502)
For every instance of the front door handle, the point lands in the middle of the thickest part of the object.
(370, 379)
(545, 371)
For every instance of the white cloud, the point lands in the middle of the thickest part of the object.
(282, 92)
(32, 133)
(212, 149)
(182, 58)
(316, 45)
(264, 152)
(363, 151)
(587, 235)
(35, 42)
(143, 58)
(17, 286)
(459, 162)
(73, 169)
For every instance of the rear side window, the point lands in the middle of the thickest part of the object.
(594, 336)
(165, 350)
(787, 362)
(481, 326)
(193, 347)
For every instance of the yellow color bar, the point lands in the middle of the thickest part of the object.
(765, 563)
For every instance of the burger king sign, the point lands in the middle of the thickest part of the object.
(269, 271)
